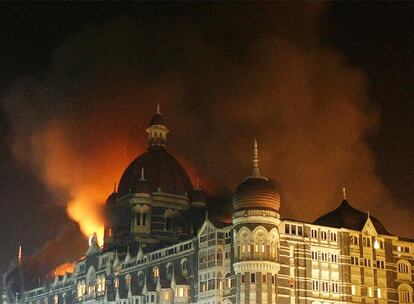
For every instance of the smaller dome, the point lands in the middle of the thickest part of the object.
(157, 119)
(256, 193)
(111, 200)
(346, 216)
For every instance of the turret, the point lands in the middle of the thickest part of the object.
(157, 131)
(256, 222)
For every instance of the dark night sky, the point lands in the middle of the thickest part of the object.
(375, 38)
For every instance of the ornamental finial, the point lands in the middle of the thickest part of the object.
(142, 174)
(19, 256)
(158, 108)
(256, 171)
(344, 193)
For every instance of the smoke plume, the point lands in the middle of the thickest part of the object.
(248, 71)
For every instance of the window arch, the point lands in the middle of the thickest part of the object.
(156, 272)
(219, 257)
(91, 280)
(141, 279)
(227, 281)
(403, 266)
(128, 280)
(184, 266)
(170, 269)
(405, 293)
(219, 279)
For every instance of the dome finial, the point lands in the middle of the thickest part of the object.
(158, 108)
(344, 193)
(198, 183)
(142, 174)
(256, 171)
(19, 256)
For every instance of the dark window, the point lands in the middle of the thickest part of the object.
(252, 278)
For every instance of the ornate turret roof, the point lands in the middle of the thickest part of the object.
(256, 191)
(346, 216)
(163, 172)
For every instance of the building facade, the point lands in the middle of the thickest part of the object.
(160, 246)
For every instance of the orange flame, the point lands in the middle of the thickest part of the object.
(63, 268)
(84, 174)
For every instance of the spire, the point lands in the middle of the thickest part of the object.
(114, 186)
(256, 171)
(19, 256)
(142, 174)
(157, 131)
(344, 193)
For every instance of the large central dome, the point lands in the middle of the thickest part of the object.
(162, 172)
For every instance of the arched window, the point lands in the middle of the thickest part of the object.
(252, 278)
(128, 280)
(167, 223)
(156, 272)
(168, 219)
(219, 279)
(170, 269)
(403, 266)
(405, 293)
(141, 279)
(227, 281)
(100, 284)
(219, 257)
(91, 280)
(184, 266)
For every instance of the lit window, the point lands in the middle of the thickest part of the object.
(156, 272)
(379, 293)
(354, 260)
(353, 290)
(366, 241)
(354, 240)
(402, 267)
(369, 291)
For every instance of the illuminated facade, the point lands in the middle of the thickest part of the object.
(161, 247)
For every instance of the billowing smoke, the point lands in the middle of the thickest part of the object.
(247, 71)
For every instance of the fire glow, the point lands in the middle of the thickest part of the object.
(63, 268)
